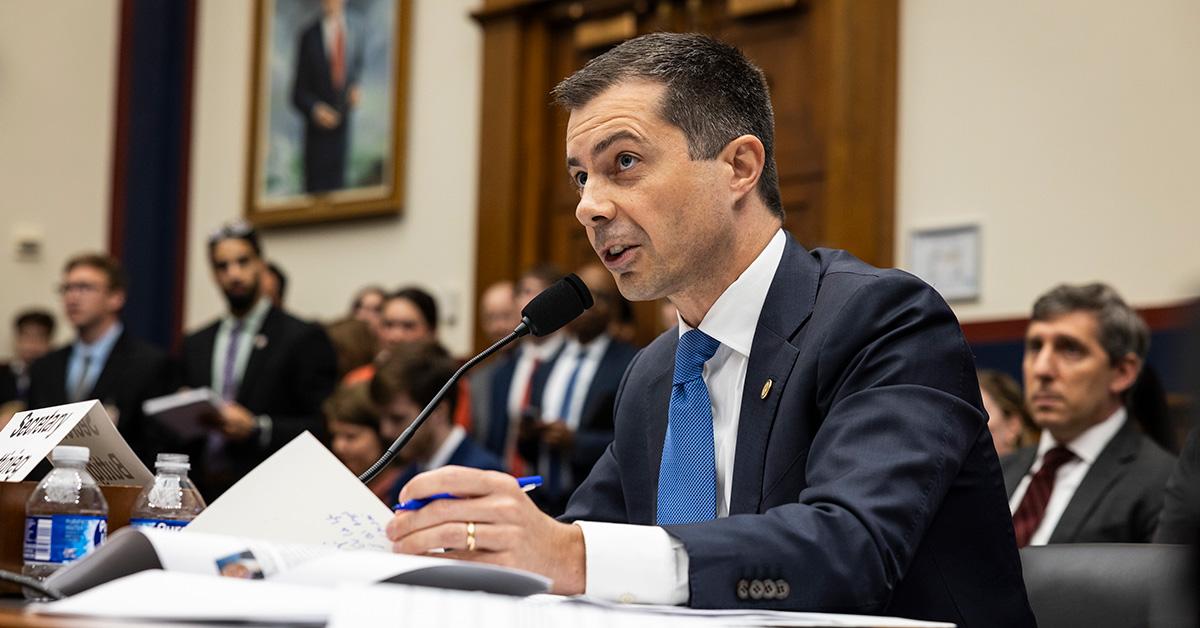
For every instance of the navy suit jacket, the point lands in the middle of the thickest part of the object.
(864, 481)
(498, 423)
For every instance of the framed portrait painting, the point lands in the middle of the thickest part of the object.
(328, 88)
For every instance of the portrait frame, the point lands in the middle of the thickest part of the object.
(949, 258)
(279, 169)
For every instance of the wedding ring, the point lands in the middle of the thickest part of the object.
(470, 536)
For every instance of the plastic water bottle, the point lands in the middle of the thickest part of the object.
(66, 516)
(172, 501)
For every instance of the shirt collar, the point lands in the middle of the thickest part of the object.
(593, 349)
(546, 349)
(1091, 442)
(447, 448)
(103, 345)
(733, 318)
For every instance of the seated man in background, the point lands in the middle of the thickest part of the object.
(104, 362)
(498, 317)
(520, 376)
(1092, 477)
(576, 422)
(273, 370)
(403, 385)
(1008, 419)
(33, 331)
(354, 436)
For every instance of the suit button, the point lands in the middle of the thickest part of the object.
(756, 589)
(743, 589)
(769, 592)
(782, 589)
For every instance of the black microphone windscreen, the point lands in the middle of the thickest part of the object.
(557, 305)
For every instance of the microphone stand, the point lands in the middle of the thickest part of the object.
(386, 458)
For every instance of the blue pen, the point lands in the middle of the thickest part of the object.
(526, 483)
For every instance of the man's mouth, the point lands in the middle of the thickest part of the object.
(618, 254)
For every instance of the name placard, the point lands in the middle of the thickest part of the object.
(31, 435)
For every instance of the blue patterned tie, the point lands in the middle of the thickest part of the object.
(687, 478)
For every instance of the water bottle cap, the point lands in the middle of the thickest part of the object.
(69, 453)
(172, 462)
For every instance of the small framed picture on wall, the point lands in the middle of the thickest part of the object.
(948, 258)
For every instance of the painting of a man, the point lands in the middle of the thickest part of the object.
(325, 91)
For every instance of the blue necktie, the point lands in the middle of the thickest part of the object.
(687, 478)
(554, 463)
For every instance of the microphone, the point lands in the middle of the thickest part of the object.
(556, 306)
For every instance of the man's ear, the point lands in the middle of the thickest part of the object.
(746, 158)
(116, 300)
(1127, 369)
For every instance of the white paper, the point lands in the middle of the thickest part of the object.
(163, 596)
(396, 605)
(740, 617)
(31, 435)
(301, 494)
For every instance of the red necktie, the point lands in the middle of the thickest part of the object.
(516, 464)
(337, 63)
(1032, 510)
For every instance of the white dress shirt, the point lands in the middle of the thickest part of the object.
(442, 456)
(541, 352)
(1086, 447)
(644, 564)
(560, 377)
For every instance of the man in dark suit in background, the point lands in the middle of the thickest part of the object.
(105, 362)
(407, 381)
(810, 438)
(273, 370)
(33, 331)
(575, 424)
(520, 376)
(1092, 478)
(498, 316)
(325, 90)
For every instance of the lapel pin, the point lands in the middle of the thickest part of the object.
(767, 388)
(260, 341)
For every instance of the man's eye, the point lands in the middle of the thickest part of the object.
(580, 178)
(626, 161)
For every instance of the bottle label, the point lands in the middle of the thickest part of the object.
(58, 539)
(159, 524)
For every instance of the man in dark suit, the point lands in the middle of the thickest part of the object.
(403, 385)
(33, 331)
(105, 362)
(519, 378)
(1093, 477)
(273, 370)
(325, 90)
(498, 316)
(576, 407)
(810, 438)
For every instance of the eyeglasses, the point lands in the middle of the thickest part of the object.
(79, 286)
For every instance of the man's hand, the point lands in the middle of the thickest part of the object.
(557, 436)
(509, 530)
(236, 421)
(325, 116)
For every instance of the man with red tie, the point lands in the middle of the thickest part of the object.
(1093, 477)
(324, 91)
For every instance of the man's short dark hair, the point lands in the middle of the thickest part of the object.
(107, 264)
(424, 302)
(416, 369)
(1122, 331)
(714, 94)
(237, 230)
(35, 318)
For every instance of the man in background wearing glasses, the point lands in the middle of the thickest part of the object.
(103, 362)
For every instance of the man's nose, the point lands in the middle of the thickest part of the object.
(594, 207)
(1043, 362)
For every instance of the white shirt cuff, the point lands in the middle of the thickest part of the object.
(634, 564)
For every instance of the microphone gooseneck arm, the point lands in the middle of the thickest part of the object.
(386, 459)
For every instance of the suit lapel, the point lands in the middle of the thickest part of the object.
(772, 356)
(1022, 461)
(1106, 470)
(654, 410)
(112, 366)
(258, 350)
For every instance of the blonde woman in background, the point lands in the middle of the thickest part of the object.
(1009, 420)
